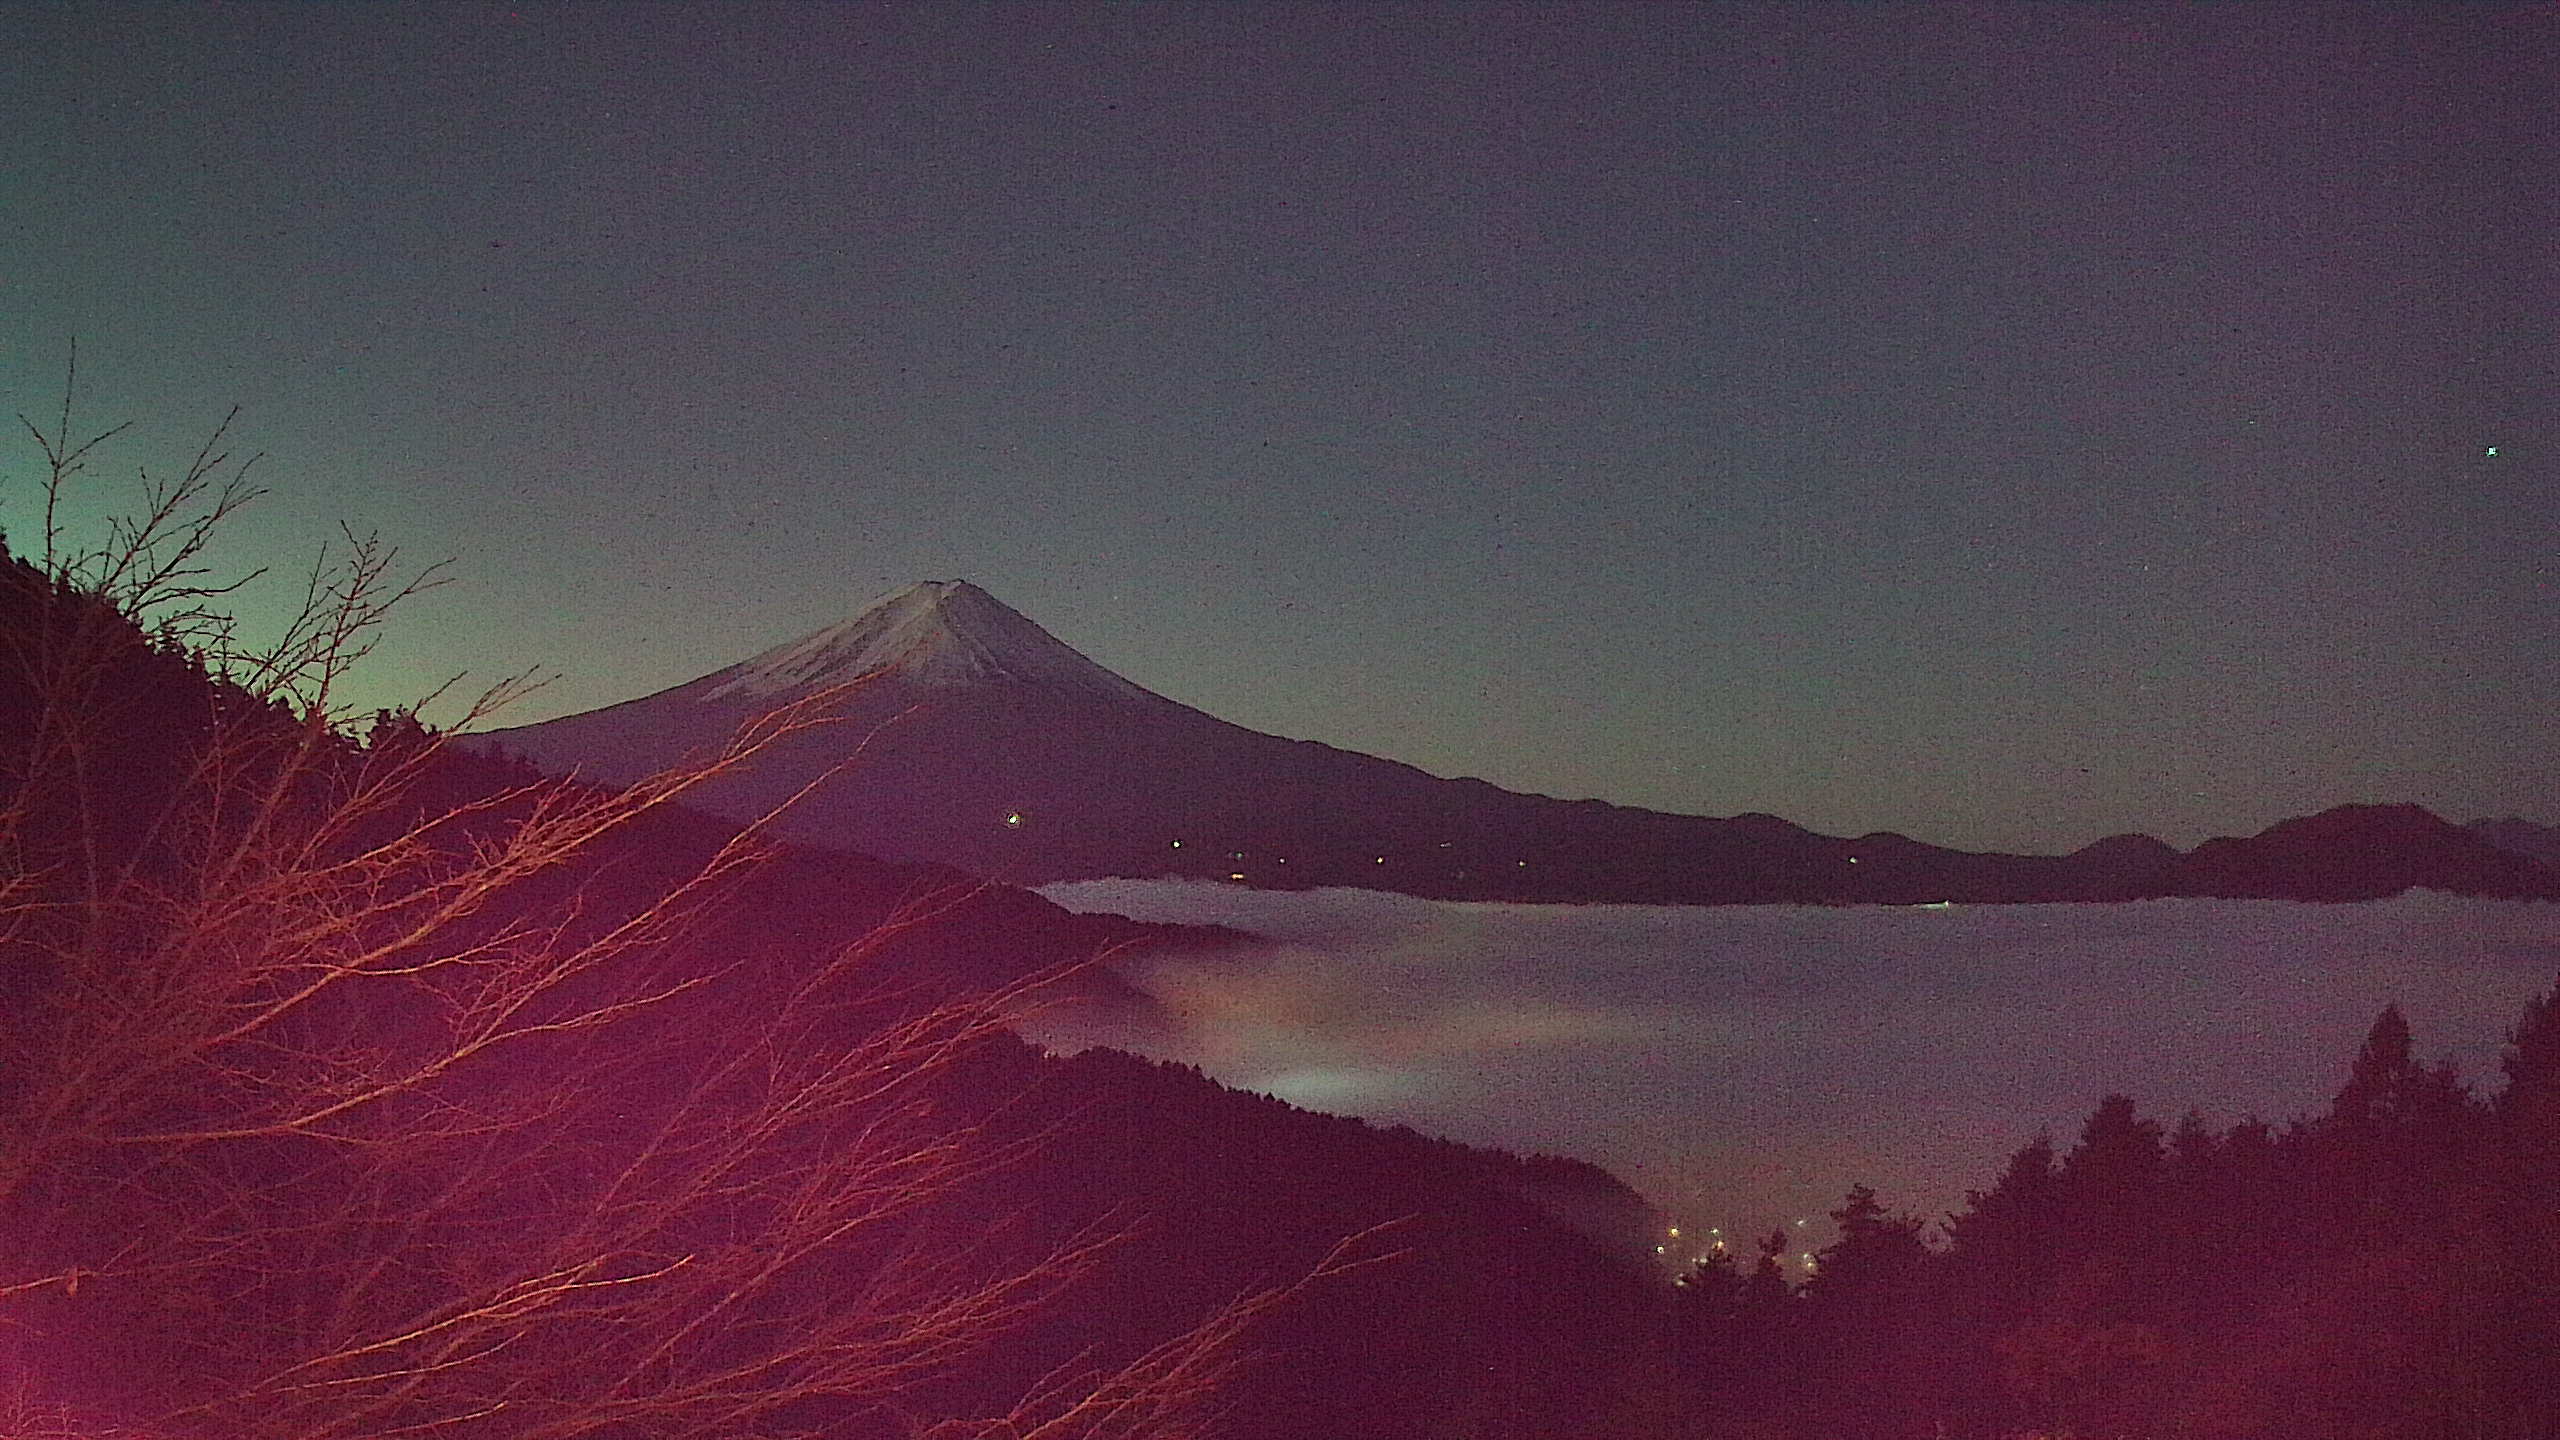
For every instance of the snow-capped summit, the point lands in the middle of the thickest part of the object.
(939, 634)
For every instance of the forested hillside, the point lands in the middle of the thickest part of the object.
(355, 1085)
(2388, 1269)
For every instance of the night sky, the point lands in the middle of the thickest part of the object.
(2005, 425)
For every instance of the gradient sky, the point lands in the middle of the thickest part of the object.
(2005, 425)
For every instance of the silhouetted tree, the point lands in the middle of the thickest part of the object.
(2381, 1271)
(333, 1108)
(2109, 1184)
(2006, 1236)
(1870, 1361)
(2378, 1082)
(2526, 1377)
(1713, 1284)
(1766, 1293)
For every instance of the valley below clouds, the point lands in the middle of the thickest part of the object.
(1743, 1065)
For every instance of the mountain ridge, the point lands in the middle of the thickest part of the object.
(936, 633)
(978, 740)
(2519, 836)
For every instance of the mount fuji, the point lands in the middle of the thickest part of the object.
(942, 635)
(972, 737)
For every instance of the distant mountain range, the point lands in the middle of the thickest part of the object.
(2521, 837)
(977, 739)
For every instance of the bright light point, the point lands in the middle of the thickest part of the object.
(1014, 819)
(1235, 875)
(1675, 1232)
(1177, 844)
(2493, 452)
(1661, 1249)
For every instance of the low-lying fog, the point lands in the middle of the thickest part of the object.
(1745, 1064)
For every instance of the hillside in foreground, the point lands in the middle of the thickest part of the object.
(484, 1104)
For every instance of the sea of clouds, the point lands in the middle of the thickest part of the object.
(1743, 1065)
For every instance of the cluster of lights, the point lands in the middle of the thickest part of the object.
(1716, 1246)
(1014, 821)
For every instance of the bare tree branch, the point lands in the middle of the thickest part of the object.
(370, 1105)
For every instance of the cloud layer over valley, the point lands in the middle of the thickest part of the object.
(1744, 1064)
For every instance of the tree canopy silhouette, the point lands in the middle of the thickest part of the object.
(350, 1086)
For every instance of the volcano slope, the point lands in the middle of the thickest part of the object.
(968, 736)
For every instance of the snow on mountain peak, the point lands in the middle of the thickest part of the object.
(936, 633)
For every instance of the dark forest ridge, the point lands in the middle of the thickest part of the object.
(805, 1050)
(987, 743)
